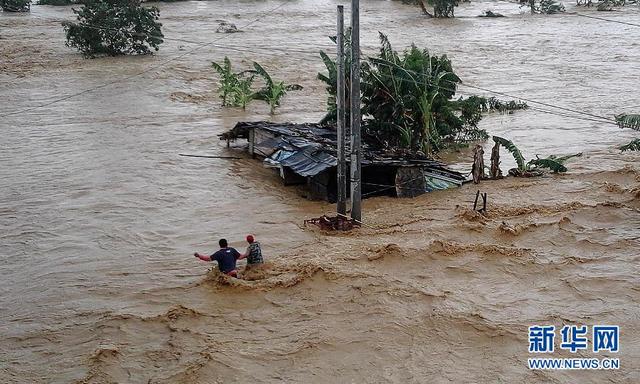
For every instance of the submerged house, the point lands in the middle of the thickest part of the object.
(307, 154)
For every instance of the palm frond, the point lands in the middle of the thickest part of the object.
(517, 155)
(549, 163)
(322, 77)
(562, 159)
(263, 73)
(330, 64)
(634, 145)
(628, 121)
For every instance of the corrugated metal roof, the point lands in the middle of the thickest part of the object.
(309, 163)
(314, 149)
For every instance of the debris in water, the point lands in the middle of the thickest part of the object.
(226, 27)
(338, 223)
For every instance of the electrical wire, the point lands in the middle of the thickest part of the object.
(143, 72)
(608, 20)
(593, 117)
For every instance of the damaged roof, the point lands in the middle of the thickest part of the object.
(308, 149)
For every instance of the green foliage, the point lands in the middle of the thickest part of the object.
(517, 155)
(236, 88)
(634, 145)
(553, 162)
(331, 80)
(15, 5)
(228, 80)
(441, 8)
(412, 91)
(629, 121)
(243, 93)
(408, 101)
(548, 7)
(549, 163)
(114, 27)
(272, 91)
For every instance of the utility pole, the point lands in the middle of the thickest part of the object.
(356, 152)
(342, 162)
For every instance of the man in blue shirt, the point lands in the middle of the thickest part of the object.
(226, 258)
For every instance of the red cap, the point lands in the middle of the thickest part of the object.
(250, 239)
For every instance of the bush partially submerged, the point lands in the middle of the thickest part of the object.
(441, 8)
(15, 5)
(408, 101)
(535, 166)
(114, 27)
(548, 7)
(236, 88)
(630, 121)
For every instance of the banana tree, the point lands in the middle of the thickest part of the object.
(534, 166)
(228, 80)
(273, 91)
(331, 80)
(243, 93)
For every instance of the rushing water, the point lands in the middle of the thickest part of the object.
(96, 207)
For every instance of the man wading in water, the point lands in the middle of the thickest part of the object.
(253, 253)
(226, 258)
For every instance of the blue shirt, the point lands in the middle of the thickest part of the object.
(226, 258)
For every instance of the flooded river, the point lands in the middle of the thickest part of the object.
(99, 216)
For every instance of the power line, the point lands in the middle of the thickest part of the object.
(593, 117)
(608, 20)
(163, 37)
(144, 71)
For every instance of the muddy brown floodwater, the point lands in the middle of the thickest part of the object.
(99, 216)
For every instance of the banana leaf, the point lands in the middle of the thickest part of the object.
(634, 145)
(549, 163)
(517, 155)
(628, 121)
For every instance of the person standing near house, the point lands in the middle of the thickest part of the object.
(253, 253)
(226, 258)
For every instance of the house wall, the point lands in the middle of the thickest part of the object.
(410, 182)
(257, 136)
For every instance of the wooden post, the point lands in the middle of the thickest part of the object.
(356, 151)
(342, 162)
(477, 170)
(495, 172)
(252, 141)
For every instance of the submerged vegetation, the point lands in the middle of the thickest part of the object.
(114, 27)
(236, 88)
(440, 8)
(629, 121)
(548, 7)
(15, 5)
(535, 166)
(272, 91)
(408, 101)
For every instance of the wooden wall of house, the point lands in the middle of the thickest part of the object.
(257, 136)
(323, 186)
(378, 180)
(410, 182)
